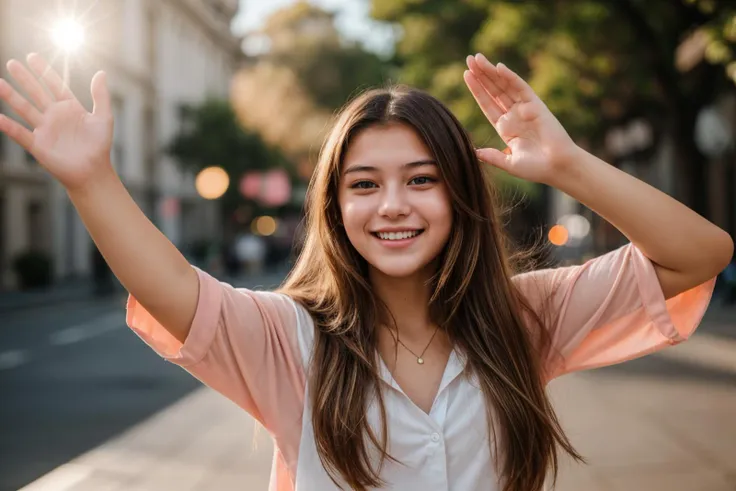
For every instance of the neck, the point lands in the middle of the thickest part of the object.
(408, 301)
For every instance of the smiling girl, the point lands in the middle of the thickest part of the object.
(403, 351)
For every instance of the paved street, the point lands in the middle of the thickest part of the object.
(91, 408)
(72, 376)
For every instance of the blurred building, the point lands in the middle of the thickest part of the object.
(158, 55)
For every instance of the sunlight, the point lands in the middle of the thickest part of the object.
(68, 35)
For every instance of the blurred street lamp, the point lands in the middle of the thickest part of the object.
(212, 182)
(577, 226)
(558, 235)
(264, 225)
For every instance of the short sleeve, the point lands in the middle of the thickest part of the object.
(242, 343)
(609, 310)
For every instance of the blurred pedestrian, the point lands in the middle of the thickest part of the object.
(251, 253)
(404, 350)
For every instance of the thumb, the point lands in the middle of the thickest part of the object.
(101, 96)
(494, 157)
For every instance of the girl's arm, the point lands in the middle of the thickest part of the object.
(74, 146)
(685, 248)
(148, 265)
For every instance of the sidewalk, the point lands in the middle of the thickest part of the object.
(665, 422)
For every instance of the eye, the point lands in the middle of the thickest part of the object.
(421, 180)
(362, 185)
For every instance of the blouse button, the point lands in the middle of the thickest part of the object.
(435, 437)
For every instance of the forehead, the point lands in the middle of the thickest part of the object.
(385, 146)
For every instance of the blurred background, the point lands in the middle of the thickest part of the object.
(221, 107)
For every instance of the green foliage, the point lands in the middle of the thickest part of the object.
(331, 69)
(593, 62)
(307, 73)
(210, 135)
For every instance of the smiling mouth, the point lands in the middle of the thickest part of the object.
(408, 234)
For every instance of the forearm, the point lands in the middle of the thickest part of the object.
(147, 264)
(666, 231)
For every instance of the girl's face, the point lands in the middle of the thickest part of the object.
(395, 207)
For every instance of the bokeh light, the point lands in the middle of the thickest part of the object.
(264, 225)
(558, 235)
(212, 182)
(68, 35)
(577, 225)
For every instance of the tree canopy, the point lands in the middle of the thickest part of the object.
(211, 135)
(596, 63)
(291, 90)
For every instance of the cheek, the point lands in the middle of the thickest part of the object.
(437, 210)
(355, 214)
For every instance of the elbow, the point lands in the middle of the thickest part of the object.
(723, 251)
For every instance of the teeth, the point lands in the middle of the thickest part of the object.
(398, 235)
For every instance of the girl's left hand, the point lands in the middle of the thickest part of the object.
(539, 146)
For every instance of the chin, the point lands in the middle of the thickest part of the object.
(400, 268)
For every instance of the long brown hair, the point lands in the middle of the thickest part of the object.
(474, 300)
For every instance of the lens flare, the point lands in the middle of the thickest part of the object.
(68, 35)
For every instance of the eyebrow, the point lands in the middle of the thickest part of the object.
(368, 168)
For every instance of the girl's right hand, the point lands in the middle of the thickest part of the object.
(71, 143)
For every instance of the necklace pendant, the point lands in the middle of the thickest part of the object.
(420, 361)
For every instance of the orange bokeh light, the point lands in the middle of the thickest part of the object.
(558, 235)
(212, 182)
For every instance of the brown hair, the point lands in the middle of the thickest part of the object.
(473, 300)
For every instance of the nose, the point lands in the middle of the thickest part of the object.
(394, 203)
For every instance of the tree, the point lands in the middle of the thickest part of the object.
(211, 135)
(596, 63)
(291, 91)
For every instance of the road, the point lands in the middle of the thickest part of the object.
(72, 376)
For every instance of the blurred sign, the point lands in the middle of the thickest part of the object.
(250, 185)
(271, 189)
(276, 189)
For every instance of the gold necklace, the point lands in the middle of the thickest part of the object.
(420, 358)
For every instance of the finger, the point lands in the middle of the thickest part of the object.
(494, 157)
(17, 132)
(29, 84)
(49, 76)
(101, 95)
(486, 73)
(19, 104)
(489, 106)
(515, 84)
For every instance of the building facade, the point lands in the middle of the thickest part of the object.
(158, 56)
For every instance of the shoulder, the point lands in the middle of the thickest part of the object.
(303, 325)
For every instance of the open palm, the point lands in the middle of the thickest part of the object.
(536, 140)
(70, 142)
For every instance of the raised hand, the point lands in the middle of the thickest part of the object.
(537, 143)
(71, 143)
